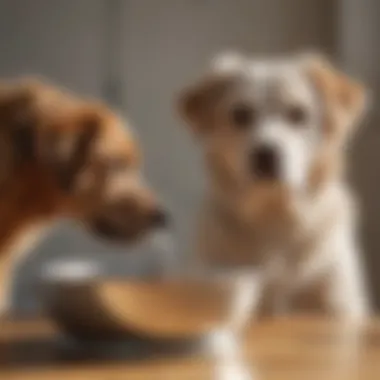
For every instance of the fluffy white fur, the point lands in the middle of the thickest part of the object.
(298, 229)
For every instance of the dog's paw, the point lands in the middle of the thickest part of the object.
(232, 371)
(229, 364)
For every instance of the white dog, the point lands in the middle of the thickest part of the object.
(274, 134)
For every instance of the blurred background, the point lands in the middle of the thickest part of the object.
(137, 54)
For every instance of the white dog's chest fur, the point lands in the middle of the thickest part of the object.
(312, 269)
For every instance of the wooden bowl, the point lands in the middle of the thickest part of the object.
(89, 307)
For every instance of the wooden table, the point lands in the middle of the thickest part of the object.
(292, 349)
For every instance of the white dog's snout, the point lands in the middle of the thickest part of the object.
(270, 132)
(286, 153)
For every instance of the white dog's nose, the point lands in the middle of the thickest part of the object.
(264, 162)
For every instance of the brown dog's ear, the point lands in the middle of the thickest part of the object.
(345, 100)
(67, 149)
(19, 120)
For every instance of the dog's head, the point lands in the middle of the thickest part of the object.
(281, 122)
(74, 158)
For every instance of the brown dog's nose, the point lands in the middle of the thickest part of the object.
(159, 218)
(264, 162)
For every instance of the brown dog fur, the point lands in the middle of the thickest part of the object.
(62, 156)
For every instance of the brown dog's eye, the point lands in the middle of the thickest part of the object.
(243, 115)
(296, 115)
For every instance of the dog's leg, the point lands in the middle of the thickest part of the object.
(334, 296)
(226, 345)
(247, 295)
(274, 300)
(333, 281)
(346, 294)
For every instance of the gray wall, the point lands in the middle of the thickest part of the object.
(148, 49)
(358, 31)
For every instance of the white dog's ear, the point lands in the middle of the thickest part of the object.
(345, 99)
(197, 103)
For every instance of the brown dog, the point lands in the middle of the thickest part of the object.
(65, 157)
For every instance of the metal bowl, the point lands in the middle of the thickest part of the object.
(87, 306)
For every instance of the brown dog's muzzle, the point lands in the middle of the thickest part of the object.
(127, 220)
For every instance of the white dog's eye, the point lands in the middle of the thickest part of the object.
(296, 115)
(243, 115)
